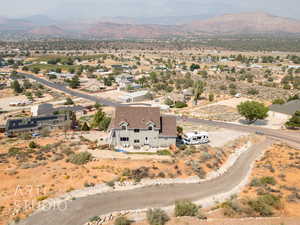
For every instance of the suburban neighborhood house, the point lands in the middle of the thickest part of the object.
(34, 124)
(142, 126)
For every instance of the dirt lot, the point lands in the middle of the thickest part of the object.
(250, 221)
(283, 164)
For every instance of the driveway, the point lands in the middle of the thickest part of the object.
(80, 210)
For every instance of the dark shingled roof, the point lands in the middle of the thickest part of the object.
(136, 117)
(168, 126)
(288, 108)
(139, 117)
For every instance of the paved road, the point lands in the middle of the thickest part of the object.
(283, 135)
(79, 211)
(63, 88)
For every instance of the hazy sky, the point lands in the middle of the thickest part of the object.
(62, 9)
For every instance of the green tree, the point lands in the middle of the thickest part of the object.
(69, 101)
(35, 70)
(38, 94)
(180, 104)
(211, 97)
(194, 67)
(179, 130)
(74, 82)
(278, 101)
(253, 110)
(16, 86)
(104, 124)
(198, 90)
(169, 102)
(100, 120)
(85, 127)
(294, 122)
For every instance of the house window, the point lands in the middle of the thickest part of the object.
(136, 141)
(136, 130)
(124, 139)
(124, 127)
(150, 128)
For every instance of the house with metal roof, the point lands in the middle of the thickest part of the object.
(134, 96)
(142, 126)
(14, 127)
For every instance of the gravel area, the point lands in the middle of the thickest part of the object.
(221, 137)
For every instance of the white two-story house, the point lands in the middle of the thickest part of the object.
(142, 126)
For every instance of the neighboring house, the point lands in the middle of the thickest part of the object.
(61, 75)
(34, 124)
(142, 126)
(124, 80)
(42, 109)
(121, 67)
(48, 109)
(135, 96)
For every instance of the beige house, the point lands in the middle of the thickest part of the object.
(142, 126)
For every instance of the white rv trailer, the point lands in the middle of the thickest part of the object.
(194, 138)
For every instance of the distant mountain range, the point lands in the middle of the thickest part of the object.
(135, 28)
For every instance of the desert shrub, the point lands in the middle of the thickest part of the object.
(252, 91)
(126, 172)
(161, 174)
(205, 156)
(278, 101)
(80, 158)
(258, 182)
(110, 183)
(32, 144)
(56, 157)
(157, 217)
(180, 104)
(122, 221)
(185, 208)
(13, 151)
(87, 184)
(140, 173)
(223, 87)
(232, 207)
(25, 136)
(169, 101)
(264, 204)
(164, 152)
(94, 219)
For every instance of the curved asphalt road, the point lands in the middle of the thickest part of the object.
(81, 210)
